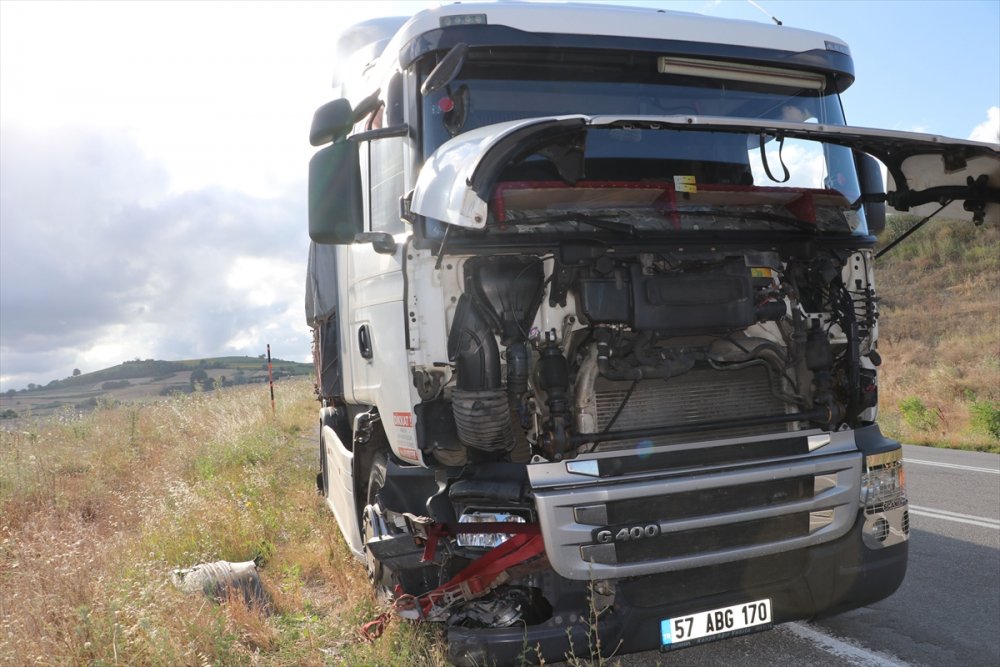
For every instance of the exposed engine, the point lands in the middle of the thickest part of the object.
(653, 348)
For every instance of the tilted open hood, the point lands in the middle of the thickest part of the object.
(456, 182)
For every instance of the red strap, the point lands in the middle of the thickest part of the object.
(372, 630)
(481, 574)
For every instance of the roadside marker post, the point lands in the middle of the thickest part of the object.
(270, 378)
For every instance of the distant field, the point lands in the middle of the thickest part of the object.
(141, 381)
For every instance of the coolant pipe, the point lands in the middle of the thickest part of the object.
(578, 439)
(518, 368)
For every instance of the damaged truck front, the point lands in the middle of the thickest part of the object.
(596, 326)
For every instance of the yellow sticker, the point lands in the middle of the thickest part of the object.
(758, 272)
(685, 184)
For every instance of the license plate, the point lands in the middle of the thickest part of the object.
(706, 626)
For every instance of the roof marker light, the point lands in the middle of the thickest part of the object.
(838, 47)
(463, 19)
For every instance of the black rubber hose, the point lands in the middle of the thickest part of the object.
(473, 348)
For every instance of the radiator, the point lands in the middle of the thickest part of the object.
(701, 395)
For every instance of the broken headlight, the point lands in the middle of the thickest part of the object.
(883, 482)
(485, 540)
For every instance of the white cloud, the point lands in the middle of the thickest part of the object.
(221, 93)
(804, 160)
(989, 129)
(263, 281)
(99, 262)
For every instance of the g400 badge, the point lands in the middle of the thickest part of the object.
(626, 533)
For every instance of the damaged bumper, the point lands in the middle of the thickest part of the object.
(818, 581)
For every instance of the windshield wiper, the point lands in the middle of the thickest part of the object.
(592, 220)
(766, 216)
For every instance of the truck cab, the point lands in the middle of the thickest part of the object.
(595, 324)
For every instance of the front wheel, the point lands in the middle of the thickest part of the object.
(323, 476)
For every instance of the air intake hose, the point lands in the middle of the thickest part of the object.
(479, 402)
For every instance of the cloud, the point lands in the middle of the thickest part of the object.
(804, 160)
(100, 262)
(989, 129)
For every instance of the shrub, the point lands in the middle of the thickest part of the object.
(115, 384)
(985, 417)
(917, 415)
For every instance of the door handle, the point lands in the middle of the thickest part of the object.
(365, 341)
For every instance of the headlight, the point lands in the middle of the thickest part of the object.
(883, 483)
(485, 540)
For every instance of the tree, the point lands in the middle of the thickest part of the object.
(76, 371)
(199, 375)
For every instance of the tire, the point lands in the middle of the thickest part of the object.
(323, 479)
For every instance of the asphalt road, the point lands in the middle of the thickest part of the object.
(947, 612)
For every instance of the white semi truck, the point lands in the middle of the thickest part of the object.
(596, 328)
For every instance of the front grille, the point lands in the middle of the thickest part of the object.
(740, 452)
(701, 395)
(652, 517)
(715, 500)
(657, 590)
(715, 538)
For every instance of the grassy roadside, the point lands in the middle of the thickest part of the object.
(939, 335)
(95, 511)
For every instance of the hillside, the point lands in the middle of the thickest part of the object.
(140, 379)
(940, 334)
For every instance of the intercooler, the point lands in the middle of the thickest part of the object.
(699, 396)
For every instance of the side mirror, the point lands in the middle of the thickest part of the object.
(335, 207)
(870, 180)
(331, 121)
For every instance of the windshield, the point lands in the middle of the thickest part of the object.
(698, 168)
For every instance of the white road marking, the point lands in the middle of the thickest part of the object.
(842, 648)
(983, 521)
(994, 471)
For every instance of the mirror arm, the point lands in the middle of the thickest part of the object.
(382, 242)
(381, 133)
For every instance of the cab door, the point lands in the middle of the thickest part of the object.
(376, 323)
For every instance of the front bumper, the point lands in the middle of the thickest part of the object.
(817, 581)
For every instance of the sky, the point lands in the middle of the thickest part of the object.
(153, 158)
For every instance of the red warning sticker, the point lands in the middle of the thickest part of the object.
(402, 419)
(409, 453)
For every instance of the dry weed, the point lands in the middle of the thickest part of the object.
(940, 331)
(96, 509)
